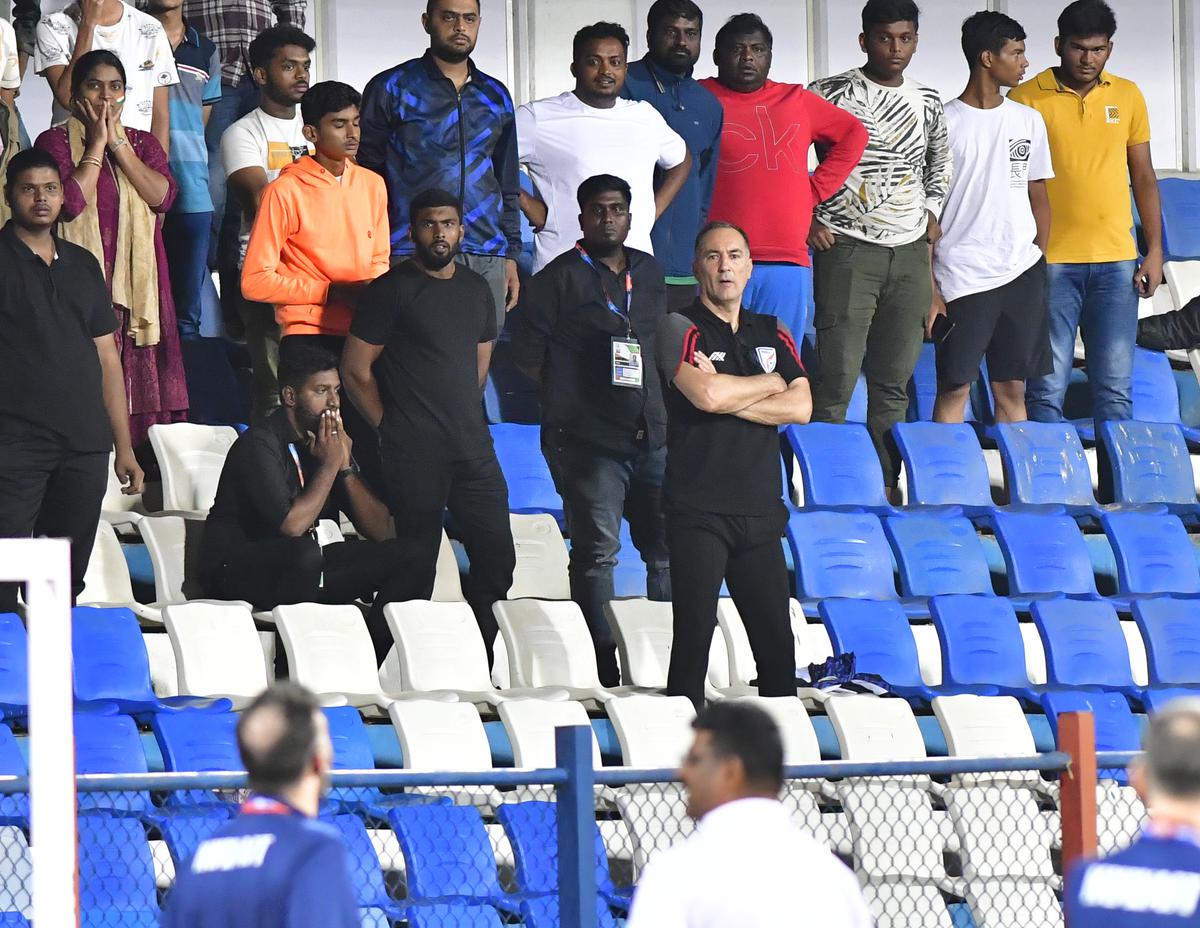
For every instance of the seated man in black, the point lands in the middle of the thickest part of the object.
(279, 480)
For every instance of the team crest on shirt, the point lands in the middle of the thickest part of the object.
(766, 359)
(1112, 114)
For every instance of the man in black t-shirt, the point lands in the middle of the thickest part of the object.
(736, 377)
(62, 391)
(588, 322)
(415, 364)
(278, 481)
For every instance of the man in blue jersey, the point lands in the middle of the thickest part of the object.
(1155, 882)
(273, 866)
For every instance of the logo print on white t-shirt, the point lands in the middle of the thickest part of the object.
(1018, 161)
(766, 359)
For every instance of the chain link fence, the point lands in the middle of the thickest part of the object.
(949, 842)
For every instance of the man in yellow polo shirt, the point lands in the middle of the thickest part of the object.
(1100, 143)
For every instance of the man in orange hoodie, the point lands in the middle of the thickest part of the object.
(320, 236)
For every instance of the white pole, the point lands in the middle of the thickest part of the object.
(44, 563)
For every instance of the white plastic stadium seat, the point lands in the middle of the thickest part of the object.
(875, 728)
(116, 508)
(439, 649)
(439, 736)
(548, 644)
(1119, 817)
(812, 638)
(190, 457)
(16, 870)
(1137, 652)
(929, 653)
(654, 731)
(1183, 279)
(643, 632)
(447, 585)
(1035, 654)
(541, 558)
(988, 726)
(173, 543)
(795, 727)
(107, 582)
(329, 650)
(656, 816)
(164, 675)
(742, 667)
(530, 724)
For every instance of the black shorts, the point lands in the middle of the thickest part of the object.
(1010, 325)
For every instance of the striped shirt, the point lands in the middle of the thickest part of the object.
(199, 86)
(233, 24)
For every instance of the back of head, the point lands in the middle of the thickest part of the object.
(988, 31)
(602, 183)
(26, 160)
(594, 32)
(1086, 18)
(663, 10)
(885, 12)
(1172, 745)
(277, 737)
(299, 361)
(742, 24)
(741, 730)
(270, 40)
(325, 98)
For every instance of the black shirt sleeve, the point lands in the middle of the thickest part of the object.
(375, 315)
(259, 473)
(674, 343)
(788, 365)
(490, 330)
(539, 315)
(102, 319)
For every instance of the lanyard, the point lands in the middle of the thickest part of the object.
(612, 307)
(265, 805)
(296, 458)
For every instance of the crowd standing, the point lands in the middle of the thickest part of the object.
(685, 260)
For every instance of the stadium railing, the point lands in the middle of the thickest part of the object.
(954, 841)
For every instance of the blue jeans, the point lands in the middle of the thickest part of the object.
(185, 237)
(598, 488)
(783, 290)
(1099, 300)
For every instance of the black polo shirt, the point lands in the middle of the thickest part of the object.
(50, 374)
(716, 462)
(565, 341)
(259, 481)
(430, 329)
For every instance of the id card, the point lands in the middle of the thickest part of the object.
(627, 368)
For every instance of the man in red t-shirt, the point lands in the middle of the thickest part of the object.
(763, 184)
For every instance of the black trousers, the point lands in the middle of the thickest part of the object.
(420, 488)
(282, 571)
(48, 489)
(745, 552)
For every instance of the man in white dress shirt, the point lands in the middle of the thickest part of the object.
(746, 865)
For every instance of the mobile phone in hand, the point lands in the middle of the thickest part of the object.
(942, 327)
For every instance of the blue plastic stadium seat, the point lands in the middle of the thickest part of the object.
(13, 920)
(532, 829)
(1116, 727)
(937, 555)
(1154, 554)
(365, 872)
(14, 807)
(199, 742)
(453, 915)
(530, 486)
(116, 872)
(879, 636)
(112, 669)
(1171, 630)
(1155, 395)
(14, 666)
(1044, 465)
(447, 853)
(110, 744)
(1044, 555)
(843, 555)
(1180, 198)
(543, 913)
(1149, 462)
(982, 644)
(839, 466)
(184, 831)
(1085, 646)
(352, 751)
(944, 466)
(629, 576)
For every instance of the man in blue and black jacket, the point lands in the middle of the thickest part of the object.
(663, 78)
(439, 122)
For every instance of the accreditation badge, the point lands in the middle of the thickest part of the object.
(627, 367)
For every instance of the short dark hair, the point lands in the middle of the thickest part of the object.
(325, 98)
(883, 12)
(431, 5)
(299, 360)
(596, 31)
(1087, 17)
(742, 730)
(1172, 744)
(602, 183)
(273, 767)
(988, 31)
(272, 39)
(720, 224)
(88, 62)
(26, 160)
(433, 198)
(743, 24)
(662, 10)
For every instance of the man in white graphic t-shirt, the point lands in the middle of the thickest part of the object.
(133, 36)
(254, 150)
(989, 265)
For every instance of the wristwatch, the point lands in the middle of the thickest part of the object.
(350, 471)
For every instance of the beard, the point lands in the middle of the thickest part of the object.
(453, 54)
(433, 260)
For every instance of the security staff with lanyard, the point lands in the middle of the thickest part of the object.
(737, 377)
(589, 321)
(274, 865)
